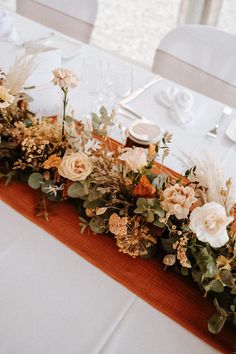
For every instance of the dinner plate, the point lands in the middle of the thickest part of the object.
(231, 131)
(69, 48)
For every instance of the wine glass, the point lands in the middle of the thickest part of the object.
(119, 80)
(91, 81)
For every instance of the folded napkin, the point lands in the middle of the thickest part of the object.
(179, 102)
(8, 31)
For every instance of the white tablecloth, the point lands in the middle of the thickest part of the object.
(52, 300)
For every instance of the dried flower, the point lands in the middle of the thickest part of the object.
(118, 225)
(64, 78)
(52, 161)
(6, 99)
(132, 236)
(178, 200)
(169, 259)
(209, 224)
(75, 166)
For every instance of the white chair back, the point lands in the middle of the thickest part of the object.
(74, 18)
(202, 58)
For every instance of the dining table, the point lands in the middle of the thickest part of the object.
(52, 300)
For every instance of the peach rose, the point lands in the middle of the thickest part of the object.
(76, 166)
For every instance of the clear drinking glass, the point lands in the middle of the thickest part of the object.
(92, 81)
(119, 79)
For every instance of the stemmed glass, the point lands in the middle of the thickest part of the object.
(92, 80)
(118, 80)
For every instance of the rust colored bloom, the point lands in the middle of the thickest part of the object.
(144, 188)
(52, 161)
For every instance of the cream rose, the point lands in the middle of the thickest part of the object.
(136, 158)
(209, 224)
(178, 200)
(76, 166)
(64, 78)
(6, 99)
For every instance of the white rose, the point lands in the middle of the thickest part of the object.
(6, 99)
(76, 166)
(136, 158)
(64, 78)
(209, 224)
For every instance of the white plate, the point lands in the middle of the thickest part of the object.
(231, 131)
(69, 48)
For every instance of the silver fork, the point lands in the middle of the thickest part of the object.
(226, 112)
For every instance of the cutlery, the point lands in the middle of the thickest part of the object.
(132, 112)
(137, 92)
(126, 114)
(226, 112)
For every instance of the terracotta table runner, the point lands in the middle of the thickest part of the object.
(174, 295)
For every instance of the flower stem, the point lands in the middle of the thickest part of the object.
(65, 101)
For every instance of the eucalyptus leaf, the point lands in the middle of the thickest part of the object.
(98, 225)
(103, 111)
(184, 271)
(205, 261)
(227, 278)
(158, 223)
(216, 286)
(167, 244)
(35, 180)
(76, 190)
(150, 216)
(216, 323)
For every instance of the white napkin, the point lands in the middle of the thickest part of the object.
(179, 102)
(8, 31)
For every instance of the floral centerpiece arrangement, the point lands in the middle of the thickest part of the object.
(123, 193)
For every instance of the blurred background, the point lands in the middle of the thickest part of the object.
(133, 28)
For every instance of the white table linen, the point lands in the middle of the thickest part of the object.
(52, 300)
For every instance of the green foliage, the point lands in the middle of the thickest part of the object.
(149, 207)
(35, 180)
(98, 225)
(168, 242)
(227, 278)
(78, 190)
(8, 176)
(205, 261)
(160, 181)
(217, 321)
(101, 123)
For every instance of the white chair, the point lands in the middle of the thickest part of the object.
(201, 58)
(74, 18)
